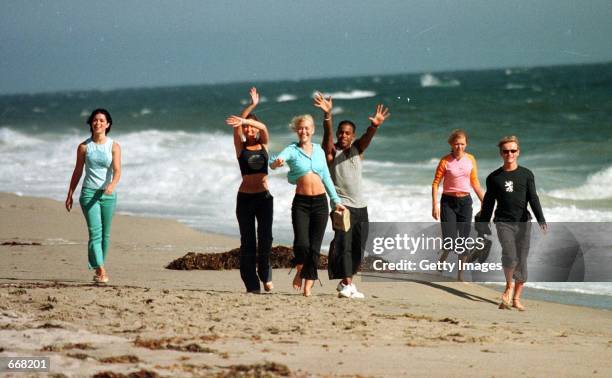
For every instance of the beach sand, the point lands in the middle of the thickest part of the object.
(194, 323)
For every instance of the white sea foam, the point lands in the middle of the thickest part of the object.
(286, 97)
(352, 95)
(512, 86)
(429, 80)
(337, 110)
(193, 177)
(600, 288)
(597, 186)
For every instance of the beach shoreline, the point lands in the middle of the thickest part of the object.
(193, 323)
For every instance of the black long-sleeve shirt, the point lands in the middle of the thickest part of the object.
(512, 190)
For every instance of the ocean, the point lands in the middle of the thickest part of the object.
(179, 161)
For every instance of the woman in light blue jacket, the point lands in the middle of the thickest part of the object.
(309, 212)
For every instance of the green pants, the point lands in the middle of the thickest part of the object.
(98, 209)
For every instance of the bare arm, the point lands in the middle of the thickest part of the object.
(237, 122)
(254, 101)
(76, 174)
(440, 171)
(116, 165)
(376, 120)
(326, 105)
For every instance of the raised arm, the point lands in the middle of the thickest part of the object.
(376, 120)
(254, 101)
(76, 174)
(236, 122)
(116, 169)
(325, 104)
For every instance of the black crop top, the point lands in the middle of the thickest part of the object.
(252, 162)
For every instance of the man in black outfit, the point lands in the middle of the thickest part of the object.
(512, 187)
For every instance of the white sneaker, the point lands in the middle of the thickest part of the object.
(350, 291)
(356, 294)
(346, 291)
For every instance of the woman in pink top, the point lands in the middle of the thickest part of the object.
(458, 173)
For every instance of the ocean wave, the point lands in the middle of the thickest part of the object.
(14, 139)
(352, 95)
(512, 86)
(591, 288)
(193, 177)
(286, 97)
(429, 80)
(337, 110)
(426, 164)
(597, 186)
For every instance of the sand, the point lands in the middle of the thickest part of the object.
(194, 323)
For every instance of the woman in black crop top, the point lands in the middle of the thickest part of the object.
(254, 201)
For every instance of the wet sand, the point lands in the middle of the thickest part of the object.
(194, 323)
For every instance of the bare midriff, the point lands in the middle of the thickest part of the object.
(456, 194)
(310, 185)
(255, 183)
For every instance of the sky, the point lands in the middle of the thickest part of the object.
(70, 44)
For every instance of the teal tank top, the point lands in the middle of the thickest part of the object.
(98, 161)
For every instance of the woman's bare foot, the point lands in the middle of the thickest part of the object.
(297, 280)
(268, 286)
(516, 303)
(505, 299)
(101, 276)
(308, 287)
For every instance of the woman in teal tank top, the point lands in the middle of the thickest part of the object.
(100, 157)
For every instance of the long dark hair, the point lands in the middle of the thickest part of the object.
(109, 119)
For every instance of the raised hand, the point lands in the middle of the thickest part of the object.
(254, 96)
(234, 121)
(380, 116)
(323, 103)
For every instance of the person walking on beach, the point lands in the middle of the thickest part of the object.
(512, 187)
(458, 172)
(345, 163)
(254, 202)
(100, 156)
(308, 171)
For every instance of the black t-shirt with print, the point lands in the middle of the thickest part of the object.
(512, 190)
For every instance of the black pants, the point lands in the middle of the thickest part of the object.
(347, 248)
(255, 252)
(456, 216)
(309, 216)
(514, 238)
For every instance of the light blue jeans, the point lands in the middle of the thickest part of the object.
(98, 209)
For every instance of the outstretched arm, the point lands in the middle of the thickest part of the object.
(254, 101)
(325, 104)
(376, 120)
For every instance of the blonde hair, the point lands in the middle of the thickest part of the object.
(297, 120)
(457, 133)
(508, 139)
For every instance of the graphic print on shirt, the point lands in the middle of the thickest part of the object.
(256, 162)
(509, 185)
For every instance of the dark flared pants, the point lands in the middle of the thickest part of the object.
(255, 246)
(309, 217)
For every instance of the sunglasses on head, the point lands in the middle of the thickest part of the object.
(509, 151)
